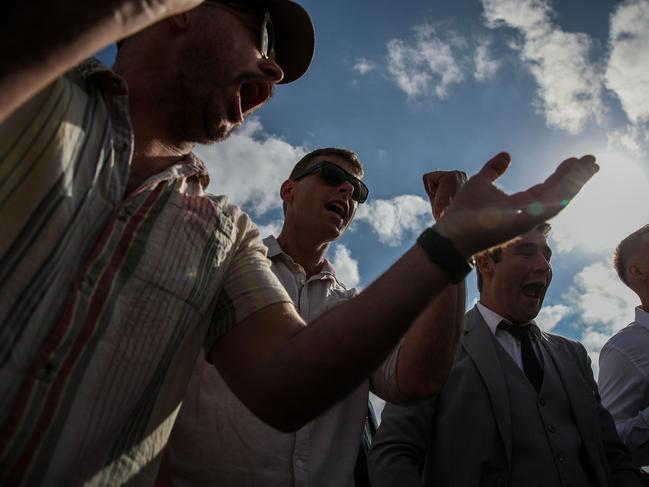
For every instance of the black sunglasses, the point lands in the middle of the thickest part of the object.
(335, 175)
(266, 31)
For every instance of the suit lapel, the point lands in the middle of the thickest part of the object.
(480, 347)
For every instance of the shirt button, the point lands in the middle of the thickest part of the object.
(561, 457)
(552, 429)
(47, 371)
(542, 402)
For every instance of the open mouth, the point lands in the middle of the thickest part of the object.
(533, 290)
(337, 208)
(253, 94)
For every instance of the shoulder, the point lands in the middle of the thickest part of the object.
(631, 336)
(562, 342)
(339, 287)
(232, 217)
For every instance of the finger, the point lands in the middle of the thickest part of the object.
(548, 198)
(448, 187)
(495, 166)
(431, 182)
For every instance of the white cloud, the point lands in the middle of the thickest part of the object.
(603, 306)
(394, 218)
(612, 205)
(569, 85)
(346, 266)
(632, 138)
(550, 316)
(424, 64)
(364, 66)
(601, 299)
(250, 166)
(486, 65)
(270, 228)
(593, 341)
(627, 73)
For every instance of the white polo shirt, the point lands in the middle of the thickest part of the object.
(218, 441)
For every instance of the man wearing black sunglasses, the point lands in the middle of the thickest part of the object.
(320, 198)
(117, 267)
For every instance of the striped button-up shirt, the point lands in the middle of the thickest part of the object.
(106, 301)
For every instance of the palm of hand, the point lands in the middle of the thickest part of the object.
(481, 215)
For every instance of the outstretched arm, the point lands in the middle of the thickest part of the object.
(52, 36)
(287, 373)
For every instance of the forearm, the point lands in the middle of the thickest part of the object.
(428, 349)
(42, 41)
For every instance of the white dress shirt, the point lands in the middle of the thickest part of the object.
(511, 345)
(624, 384)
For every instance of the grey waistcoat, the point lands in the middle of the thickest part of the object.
(546, 444)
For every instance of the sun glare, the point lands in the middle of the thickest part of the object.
(612, 205)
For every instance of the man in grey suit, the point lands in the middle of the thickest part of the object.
(520, 407)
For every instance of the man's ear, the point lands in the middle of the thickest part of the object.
(636, 273)
(485, 264)
(286, 190)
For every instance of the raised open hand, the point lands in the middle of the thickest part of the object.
(441, 187)
(481, 215)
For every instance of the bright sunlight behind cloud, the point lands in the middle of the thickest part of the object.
(612, 205)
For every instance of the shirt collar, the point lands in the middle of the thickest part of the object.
(642, 317)
(493, 319)
(275, 250)
(109, 81)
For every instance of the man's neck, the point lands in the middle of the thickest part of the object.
(493, 307)
(157, 146)
(306, 252)
(152, 154)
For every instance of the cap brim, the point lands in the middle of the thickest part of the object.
(294, 37)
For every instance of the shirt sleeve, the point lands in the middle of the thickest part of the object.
(383, 381)
(623, 389)
(249, 284)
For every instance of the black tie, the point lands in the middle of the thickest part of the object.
(531, 365)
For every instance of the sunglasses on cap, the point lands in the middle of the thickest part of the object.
(266, 31)
(334, 175)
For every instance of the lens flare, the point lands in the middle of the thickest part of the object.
(536, 208)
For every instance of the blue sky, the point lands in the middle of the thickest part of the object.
(422, 85)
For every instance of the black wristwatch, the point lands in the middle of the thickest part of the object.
(443, 253)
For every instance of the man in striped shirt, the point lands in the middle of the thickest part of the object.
(117, 268)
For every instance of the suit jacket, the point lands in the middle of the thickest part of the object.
(463, 435)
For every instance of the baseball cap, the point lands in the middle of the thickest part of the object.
(294, 34)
